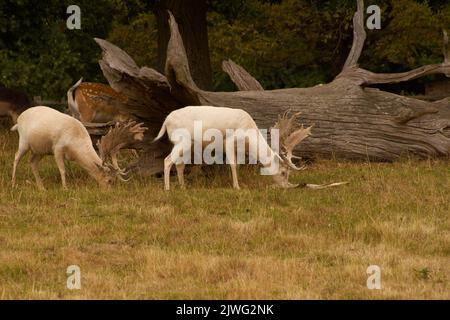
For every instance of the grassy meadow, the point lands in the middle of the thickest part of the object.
(136, 241)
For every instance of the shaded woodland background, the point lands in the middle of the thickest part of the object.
(282, 43)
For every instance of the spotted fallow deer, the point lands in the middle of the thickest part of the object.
(95, 102)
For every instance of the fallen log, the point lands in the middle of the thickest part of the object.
(351, 120)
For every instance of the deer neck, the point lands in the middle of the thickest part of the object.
(268, 158)
(90, 161)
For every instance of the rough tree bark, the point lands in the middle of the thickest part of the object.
(351, 120)
(191, 18)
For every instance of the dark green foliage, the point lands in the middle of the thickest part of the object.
(282, 43)
(38, 52)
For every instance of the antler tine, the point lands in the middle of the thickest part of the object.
(138, 131)
(286, 124)
(295, 138)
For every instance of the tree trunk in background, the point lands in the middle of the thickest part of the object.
(351, 120)
(191, 18)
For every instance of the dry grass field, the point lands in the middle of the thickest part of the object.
(136, 241)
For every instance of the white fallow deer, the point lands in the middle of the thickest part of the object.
(45, 131)
(223, 119)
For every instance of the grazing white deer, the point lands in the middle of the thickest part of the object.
(45, 131)
(223, 119)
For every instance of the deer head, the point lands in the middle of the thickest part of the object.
(122, 135)
(290, 134)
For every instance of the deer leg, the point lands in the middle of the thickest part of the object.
(34, 162)
(19, 154)
(231, 156)
(180, 163)
(59, 158)
(234, 174)
(168, 163)
(180, 173)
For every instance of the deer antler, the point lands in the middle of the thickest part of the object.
(291, 134)
(123, 134)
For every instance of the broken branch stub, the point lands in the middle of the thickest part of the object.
(240, 77)
(177, 67)
(359, 37)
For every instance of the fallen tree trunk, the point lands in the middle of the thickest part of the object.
(351, 120)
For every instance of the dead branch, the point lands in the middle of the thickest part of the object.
(359, 37)
(177, 67)
(363, 77)
(240, 77)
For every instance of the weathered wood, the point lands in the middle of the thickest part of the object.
(191, 18)
(350, 120)
(359, 37)
(353, 124)
(365, 77)
(431, 97)
(240, 77)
